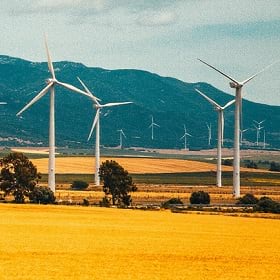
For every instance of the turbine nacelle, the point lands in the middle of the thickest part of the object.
(51, 81)
(235, 85)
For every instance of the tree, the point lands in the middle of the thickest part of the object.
(116, 182)
(172, 201)
(42, 195)
(18, 176)
(200, 197)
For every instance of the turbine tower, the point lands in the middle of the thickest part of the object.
(209, 127)
(96, 124)
(51, 83)
(185, 137)
(220, 111)
(152, 126)
(121, 137)
(238, 97)
(264, 143)
(258, 128)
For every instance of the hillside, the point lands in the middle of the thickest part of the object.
(171, 102)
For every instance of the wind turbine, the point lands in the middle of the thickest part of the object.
(185, 137)
(220, 110)
(96, 124)
(121, 137)
(241, 134)
(238, 97)
(51, 83)
(152, 126)
(209, 127)
(258, 128)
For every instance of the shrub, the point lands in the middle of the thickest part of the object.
(200, 197)
(247, 199)
(42, 195)
(172, 201)
(251, 164)
(105, 202)
(228, 162)
(268, 205)
(274, 166)
(85, 202)
(79, 185)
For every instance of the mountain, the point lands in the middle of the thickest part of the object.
(172, 103)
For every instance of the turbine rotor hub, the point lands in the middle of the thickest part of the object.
(235, 85)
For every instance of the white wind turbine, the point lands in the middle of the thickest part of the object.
(96, 124)
(185, 137)
(238, 97)
(209, 127)
(220, 110)
(51, 83)
(121, 137)
(258, 128)
(152, 126)
(241, 134)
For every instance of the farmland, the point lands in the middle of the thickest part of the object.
(66, 242)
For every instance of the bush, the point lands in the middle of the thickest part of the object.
(200, 197)
(228, 162)
(42, 195)
(85, 202)
(268, 205)
(172, 201)
(105, 202)
(251, 164)
(79, 185)
(247, 199)
(274, 166)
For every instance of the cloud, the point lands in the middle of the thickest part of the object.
(156, 18)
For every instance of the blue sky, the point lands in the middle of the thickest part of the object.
(165, 37)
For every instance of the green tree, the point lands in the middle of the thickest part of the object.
(18, 176)
(247, 199)
(79, 185)
(116, 182)
(42, 195)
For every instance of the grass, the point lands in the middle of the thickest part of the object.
(59, 242)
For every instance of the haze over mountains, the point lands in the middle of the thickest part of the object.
(171, 102)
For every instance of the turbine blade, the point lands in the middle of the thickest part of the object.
(156, 124)
(50, 64)
(89, 92)
(72, 88)
(183, 136)
(115, 104)
(35, 99)
(230, 78)
(228, 104)
(188, 134)
(209, 99)
(3, 103)
(265, 68)
(94, 123)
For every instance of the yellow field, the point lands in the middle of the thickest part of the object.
(86, 165)
(63, 242)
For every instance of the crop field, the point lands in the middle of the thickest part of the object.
(66, 242)
(86, 165)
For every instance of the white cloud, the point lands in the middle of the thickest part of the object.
(156, 18)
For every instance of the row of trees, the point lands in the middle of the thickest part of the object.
(19, 177)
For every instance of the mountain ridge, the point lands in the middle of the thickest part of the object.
(172, 103)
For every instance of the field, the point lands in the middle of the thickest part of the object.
(85, 165)
(66, 242)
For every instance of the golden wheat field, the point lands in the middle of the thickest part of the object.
(86, 165)
(66, 242)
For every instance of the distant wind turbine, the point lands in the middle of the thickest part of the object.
(220, 111)
(152, 125)
(209, 127)
(258, 128)
(241, 134)
(121, 137)
(185, 137)
(238, 97)
(96, 124)
(51, 83)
